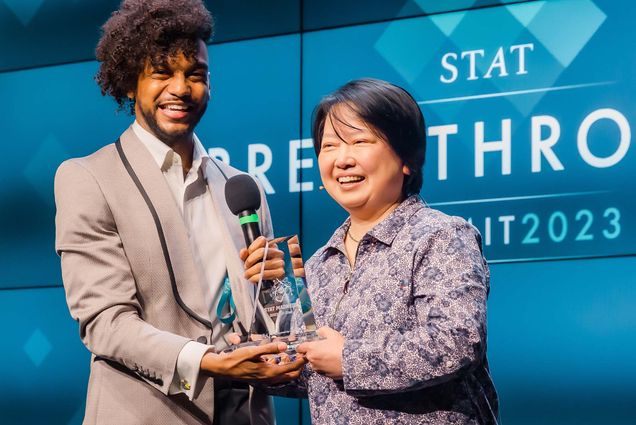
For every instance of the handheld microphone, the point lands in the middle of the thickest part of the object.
(243, 198)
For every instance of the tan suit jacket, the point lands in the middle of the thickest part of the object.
(118, 286)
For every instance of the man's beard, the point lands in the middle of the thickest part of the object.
(172, 137)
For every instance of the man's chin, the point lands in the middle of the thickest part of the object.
(174, 132)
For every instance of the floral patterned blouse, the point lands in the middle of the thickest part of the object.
(413, 314)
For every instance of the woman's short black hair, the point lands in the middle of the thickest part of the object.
(147, 29)
(390, 111)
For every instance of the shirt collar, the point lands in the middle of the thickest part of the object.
(386, 230)
(163, 154)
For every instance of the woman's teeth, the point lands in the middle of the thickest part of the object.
(350, 179)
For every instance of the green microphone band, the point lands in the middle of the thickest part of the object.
(249, 219)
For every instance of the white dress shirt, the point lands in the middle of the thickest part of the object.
(198, 209)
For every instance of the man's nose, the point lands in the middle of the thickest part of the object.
(179, 85)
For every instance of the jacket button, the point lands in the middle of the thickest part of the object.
(202, 340)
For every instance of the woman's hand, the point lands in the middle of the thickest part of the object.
(325, 355)
(296, 256)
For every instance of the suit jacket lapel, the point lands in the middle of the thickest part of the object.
(174, 229)
(243, 291)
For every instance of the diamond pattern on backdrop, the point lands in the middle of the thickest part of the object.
(40, 170)
(24, 10)
(401, 45)
(37, 347)
(561, 33)
(410, 45)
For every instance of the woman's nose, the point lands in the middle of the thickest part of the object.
(345, 159)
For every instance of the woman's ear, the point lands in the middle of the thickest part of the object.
(406, 170)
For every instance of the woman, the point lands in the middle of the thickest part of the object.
(400, 289)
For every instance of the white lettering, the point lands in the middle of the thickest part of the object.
(498, 62)
(544, 146)
(450, 67)
(442, 132)
(503, 145)
(220, 154)
(258, 171)
(296, 164)
(471, 58)
(506, 220)
(623, 146)
(522, 56)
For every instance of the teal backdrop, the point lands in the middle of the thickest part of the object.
(530, 109)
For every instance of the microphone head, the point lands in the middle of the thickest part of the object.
(241, 194)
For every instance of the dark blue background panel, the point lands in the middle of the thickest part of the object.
(319, 14)
(237, 20)
(45, 366)
(47, 32)
(57, 113)
(43, 32)
(561, 341)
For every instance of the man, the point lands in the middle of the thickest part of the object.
(146, 240)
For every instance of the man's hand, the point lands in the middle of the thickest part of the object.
(234, 338)
(253, 258)
(325, 355)
(248, 364)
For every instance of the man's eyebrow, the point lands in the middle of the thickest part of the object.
(157, 63)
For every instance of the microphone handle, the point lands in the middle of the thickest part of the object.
(251, 229)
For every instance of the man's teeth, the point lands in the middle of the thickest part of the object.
(350, 179)
(175, 107)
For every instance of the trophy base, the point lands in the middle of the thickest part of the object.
(292, 341)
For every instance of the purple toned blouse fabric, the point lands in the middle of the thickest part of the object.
(413, 313)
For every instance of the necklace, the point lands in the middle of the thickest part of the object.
(351, 236)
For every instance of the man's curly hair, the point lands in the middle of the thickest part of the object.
(142, 30)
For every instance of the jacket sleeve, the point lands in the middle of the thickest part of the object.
(447, 321)
(99, 284)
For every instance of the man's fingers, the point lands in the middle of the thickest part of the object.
(257, 337)
(289, 367)
(274, 269)
(298, 267)
(258, 243)
(256, 256)
(294, 250)
(274, 263)
(270, 348)
(268, 275)
(233, 338)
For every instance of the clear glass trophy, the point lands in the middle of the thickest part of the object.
(285, 301)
